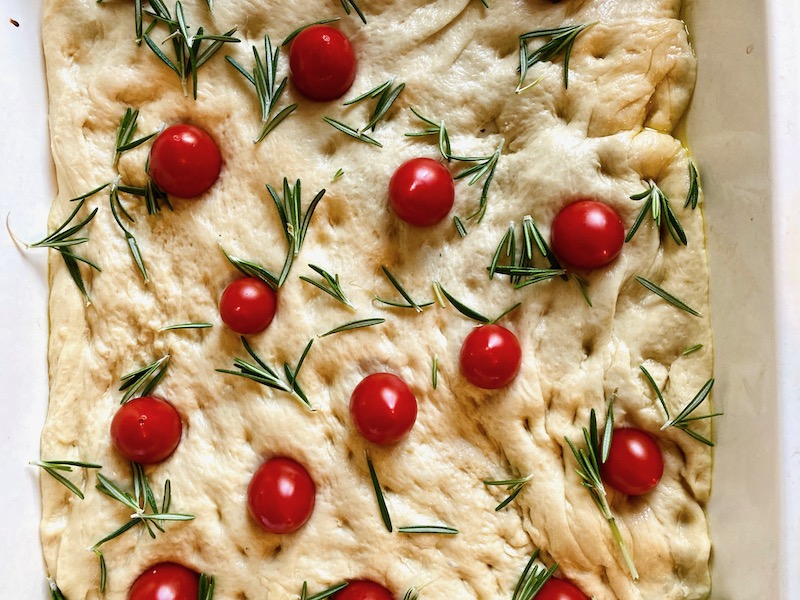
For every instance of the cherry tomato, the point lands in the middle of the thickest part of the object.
(560, 589)
(634, 465)
(165, 581)
(421, 192)
(281, 495)
(184, 161)
(248, 305)
(363, 589)
(490, 357)
(587, 234)
(322, 63)
(383, 408)
(146, 430)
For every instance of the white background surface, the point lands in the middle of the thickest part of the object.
(743, 129)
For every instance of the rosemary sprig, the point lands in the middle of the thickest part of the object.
(263, 79)
(189, 53)
(469, 312)
(657, 204)
(589, 472)
(514, 486)
(386, 94)
(354, 133)
(434, 529)
(126, 131)
(251, 269)
(483, 168)
(52, 468)
(561, 41)
(153, 195)
(684, 418)
(361, 323)
(330, 285)
(62, 241)
(409, 301)
(262, 373)
(376, 485)
(296, 32)
(349, 6)
(205, 588)
(142, 381)
(521, 271)
(434, 129)
(142, 502)
(532, 580)
(326, 593)
(116, 209)
(658, 291)
(295, 223)
(693, 195)
(531, 275)
(185, 326)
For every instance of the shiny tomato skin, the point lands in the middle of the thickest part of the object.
(322, 63)
(490, 357)
(184, 161)
(363, 589)
(560, 589)
(165, 581)
(587, 234)
(248, 305)
(421, 192)
(383, 408)
(635, 464)
(146, 430)
(281, 495)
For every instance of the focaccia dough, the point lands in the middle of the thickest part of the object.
(631, 77)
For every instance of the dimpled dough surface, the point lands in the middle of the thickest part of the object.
(631, 78)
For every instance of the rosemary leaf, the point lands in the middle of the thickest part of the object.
(655, 388)
(186, 326)
(667, 296)
(327, 593)
(435, 371)
(460, 307)
(291, 36)
(354, 325)
(434, 529)
(692, 349)
(376, 485)
(412, 593)
(693, 195)
(55, 592)
(459, 225)
(251, 269)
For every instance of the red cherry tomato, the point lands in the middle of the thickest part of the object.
(184, 161)
(322, 63)
(146, 430)
(634, 465)
(363, 589)
(165, 581)
(383, 408)
(587, 234)
(421, 192)
(560, 589)
(248, 305)
(281, 495)
(490, 357)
